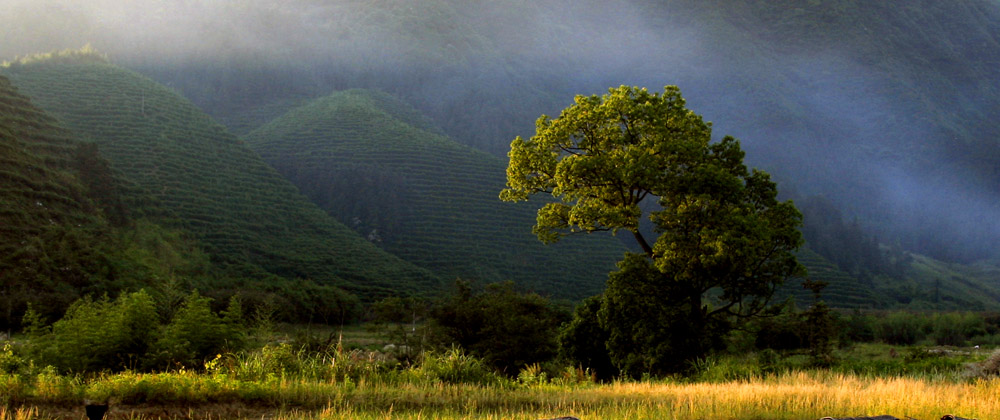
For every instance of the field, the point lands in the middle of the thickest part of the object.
(281, 383)
(799, 395)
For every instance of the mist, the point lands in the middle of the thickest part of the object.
(897, 141)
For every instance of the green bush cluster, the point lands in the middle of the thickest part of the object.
(129, 333)
(908, 328)
(508, 330)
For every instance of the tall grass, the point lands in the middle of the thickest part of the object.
(279, 382)
(793, 395)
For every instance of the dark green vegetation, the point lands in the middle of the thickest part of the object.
(250, 222)
(485, 336)
(378, 166)
(106, 335)
(52, 212)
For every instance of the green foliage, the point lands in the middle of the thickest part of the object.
(454, 366)
(506, 329)
(99, 335)
(819, 327)
(582, 341)
(402, 322)
(649, 332)
(10, 362)
(955, 329)
(53, 242)
(720, 225)
(289, 300)
(195, 332)
(901, 328)
(126, 333)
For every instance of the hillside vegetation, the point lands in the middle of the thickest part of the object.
(248, 219)
(371, 161)
(51, 232)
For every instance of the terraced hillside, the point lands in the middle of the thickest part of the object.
(842, 290)
(51, 231)
(369, 160)
(250, 220)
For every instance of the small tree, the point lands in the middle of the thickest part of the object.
(819, 326)
(720, 225)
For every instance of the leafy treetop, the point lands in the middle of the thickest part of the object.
(720, 225)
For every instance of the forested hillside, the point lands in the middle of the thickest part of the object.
(370, 161)
(249, 220)
(51, 231)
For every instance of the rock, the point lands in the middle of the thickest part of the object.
(95, 411)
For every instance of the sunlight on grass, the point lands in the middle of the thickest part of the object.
(794, 395)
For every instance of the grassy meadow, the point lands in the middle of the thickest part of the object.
(797, 395)
(282, 383)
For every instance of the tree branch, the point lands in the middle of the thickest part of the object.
(642, 243)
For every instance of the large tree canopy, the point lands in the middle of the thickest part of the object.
(720, 226)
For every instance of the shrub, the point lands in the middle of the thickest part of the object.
(10, 363)
(900, 328)
(582, 340)
(454, 367)
(956, 329)
(98, 335)
(196, 333)
(507, 330)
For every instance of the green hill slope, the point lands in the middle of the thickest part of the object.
(361, 156)
(51, 232)
(252, 222)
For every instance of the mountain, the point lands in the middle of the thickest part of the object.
(378, 165)
(245, 216)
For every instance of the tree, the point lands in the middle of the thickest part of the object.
(720, 226)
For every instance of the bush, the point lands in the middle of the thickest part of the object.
(98, 335)
(989, 368)
(454, 367)
(956, 329)
(126, 333)
(10, 363)
(506, 329)
(582, 340)
(901, 328)
(196, 333)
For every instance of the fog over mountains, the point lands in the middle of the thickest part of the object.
(886, 108)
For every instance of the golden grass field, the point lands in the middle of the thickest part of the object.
(796, 395)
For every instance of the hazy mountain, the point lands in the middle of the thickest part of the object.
(369, 160)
